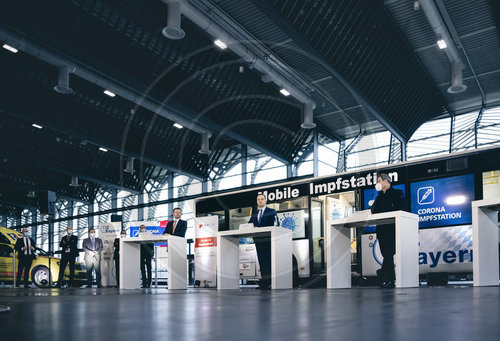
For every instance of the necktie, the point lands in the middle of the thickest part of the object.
(173, 228)
(28, 246)
(260, 215)
(93, 243)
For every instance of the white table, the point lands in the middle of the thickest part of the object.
(228, 272)
(130, 263)
(338, 247)
(485, 241)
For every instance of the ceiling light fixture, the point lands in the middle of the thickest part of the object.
(10, 48)
(220, 44)
(285, 92)
(103, 149)
(178, 126)
(442, 44)
(109, 93)
(36, 126)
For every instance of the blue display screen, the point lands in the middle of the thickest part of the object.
(443, 202)
(157, 230)
(369, 198)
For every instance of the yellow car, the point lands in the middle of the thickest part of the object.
(39, 272)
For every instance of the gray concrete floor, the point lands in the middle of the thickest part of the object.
(439, 313)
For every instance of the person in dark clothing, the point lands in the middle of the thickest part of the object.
(69, 253)
(25, 246)
(388, 199)
(147, 251)
(263, 217)
(116, 256)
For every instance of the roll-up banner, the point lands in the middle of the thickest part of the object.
(205, 250)
(108, 232)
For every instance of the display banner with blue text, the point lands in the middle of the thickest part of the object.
(443, 202)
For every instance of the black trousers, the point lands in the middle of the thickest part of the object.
(117, 269)
(146, 266)
(62, 266)
(24, 264)
(386, 236)
(263, 246)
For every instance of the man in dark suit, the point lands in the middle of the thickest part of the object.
(263, 217)
(147, 251)
(93, 248)
(388, 199)
(116, 256)
(69, 253)
(25, 246)
(176, 227)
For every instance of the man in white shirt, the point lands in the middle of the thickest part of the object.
(176, 227)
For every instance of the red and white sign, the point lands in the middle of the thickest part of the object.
(205, 250)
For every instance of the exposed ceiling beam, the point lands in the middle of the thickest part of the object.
(307, 46)
(128, 92)
(98, 142)
(217, 127)
(70, 173)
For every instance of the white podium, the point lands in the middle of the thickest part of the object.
(338, 247)
(130, 263)
(228, 272)
(485, 241)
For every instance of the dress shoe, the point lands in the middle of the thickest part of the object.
(88, 286)
(100, 286)
(388, 285)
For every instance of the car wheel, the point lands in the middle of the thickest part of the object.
(40, 276)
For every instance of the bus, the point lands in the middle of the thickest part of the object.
(439, 189)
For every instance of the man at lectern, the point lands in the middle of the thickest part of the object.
(388, 199)
(263, 217)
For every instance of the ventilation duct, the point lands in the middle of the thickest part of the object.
(74, 182)
(63, 81)
(218, 32)
(435, 20)
(456, 79)
(173, 29)
(308, 117)
(205, 149)
(129, 168)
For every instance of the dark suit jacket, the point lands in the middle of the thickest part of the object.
(269, 218)
(20, 244)
(116, 244)
(70, 244)
(87, 246)
(180, 228)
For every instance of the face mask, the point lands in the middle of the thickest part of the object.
(27, 234)
(70, 232)
(123, 235)
(92, 235)
(143, 231)
(378, 186)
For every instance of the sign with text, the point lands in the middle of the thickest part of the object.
(205, 250)
(443, 202)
